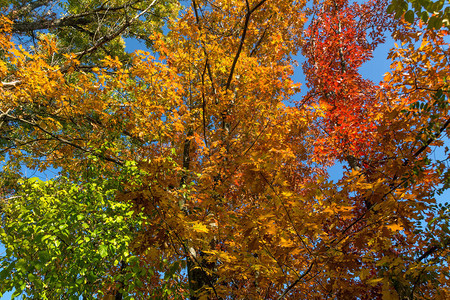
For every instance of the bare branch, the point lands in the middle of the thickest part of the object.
(103, 40)
(289, 288)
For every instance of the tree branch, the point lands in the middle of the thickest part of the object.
(241, 44)
(289, 288)
(62, 140)
(106, 38)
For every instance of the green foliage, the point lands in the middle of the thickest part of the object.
(89, 28)
(433, 13)
(66, 239)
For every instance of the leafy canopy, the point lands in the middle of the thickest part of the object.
(194, 171)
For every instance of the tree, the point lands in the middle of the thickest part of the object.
(227, 182)
(89, 29)
(379, 132)
(64, 239)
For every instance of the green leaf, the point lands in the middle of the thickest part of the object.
(409, 16)
(434, 22)
(390, 8)
(35, 180)
(32, 277)
(103, 251)
(21, 265)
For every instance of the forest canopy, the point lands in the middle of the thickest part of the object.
(196, 167)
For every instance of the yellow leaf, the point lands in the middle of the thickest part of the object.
(345, 208)
(286, 243)
(395, 227)
(272, 229)
(287, 194)
(374, 281)
(424, 43)
(364, 273)
(199, 227)
(225, 256)
(365, 186)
